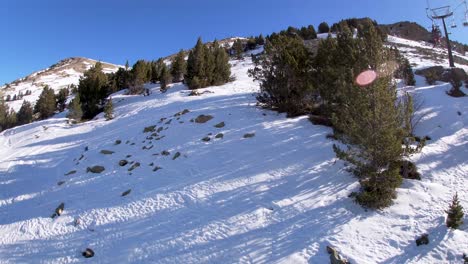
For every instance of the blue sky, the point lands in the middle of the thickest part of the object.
(35, 34)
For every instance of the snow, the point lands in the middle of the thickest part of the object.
(279, 197)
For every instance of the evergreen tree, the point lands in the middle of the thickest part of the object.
(238, 48)
(46, 104)
(109, 110)
(210, 67)
(323, 28)
(368, 122)
(74, 109)
(284, 74)
(11, 119)
(140, 76)
(127, 66)
(260, 40)
(196, 66)
(178, 66)
(61, 99)
(4, 110)
(454, 213)
(92, 90)
(308, 33)
(222, 70)
(166, 77)
(25, 114)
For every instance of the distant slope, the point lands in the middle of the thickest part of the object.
(58, 76)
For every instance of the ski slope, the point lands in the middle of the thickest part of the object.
(280, 196)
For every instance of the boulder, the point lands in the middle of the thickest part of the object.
(335, 257)
(123, 163)
(95, 169)
(203, 119)
(249, 135)
(88, 253)
(107, 152)
(220, 125)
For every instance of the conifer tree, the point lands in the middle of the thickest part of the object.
(196, 66)
(238, 48)
(61, 99)
(178, 67)
(140, 75)
(109, 110)
(4, 109)
(92, 90)
(210, 67)
(25, 114)
(368, 122)
(46, 104)
(454, 213)
(166, 77)
(74, 109)
(222, 70)
(323, 28)
(284, 74)
(260, 40)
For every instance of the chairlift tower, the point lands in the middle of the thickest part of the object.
(442, 13)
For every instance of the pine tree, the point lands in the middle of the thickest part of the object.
(4, 109)
(323, 28)
(61, 99)
(46, 104)
(92, 90)
(222, 70)
(454, 213)
(166, 77)
(210, 67)
(141, 73)
(238, 48)
(260, 40)
(109, 110)
(74, 109)
(196, 66)
(25, 114)
(284, 74)
(178, 66)
(368, 122)
(127, 65)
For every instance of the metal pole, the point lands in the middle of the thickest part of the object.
(449, 47)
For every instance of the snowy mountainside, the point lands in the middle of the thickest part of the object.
(58, 76)
(248, 186)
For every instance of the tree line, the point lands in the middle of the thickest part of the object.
(371, 122)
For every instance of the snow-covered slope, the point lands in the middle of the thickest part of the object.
(280, 196)
(58, 76)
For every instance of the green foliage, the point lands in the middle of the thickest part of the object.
(46, 104)
(165, 78)
(367, 120)
(92, 90)
(61, 99)
(457, 82)
(140, 74)
(109, 110)
(323, 28)
(238, 48)
(308, 33)
(207, 66)
(283, 72)
(454, 213)
(25, 114)
(74, 109)
(260, 40)
(178, 67)
(432, 75)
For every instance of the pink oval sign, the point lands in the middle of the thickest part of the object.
(366, 77)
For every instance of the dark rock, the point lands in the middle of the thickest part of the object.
(183, 112)
(160, 129)
(335, 257)
(201, 119)
(60, 183)
(176, 156)
(165, 153)
(220, 125)
(123, 163)
(249, 135)
(219, 135)
(127, 192)
(206, 139)
(422, 240)
(118, 142)
(134, 166)
(59, 209)
(70, 172)
(157, 168)
(95, 169)
(88, 253)
(107, 152)
(149, 129)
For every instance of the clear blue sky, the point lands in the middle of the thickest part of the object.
(35, 34)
